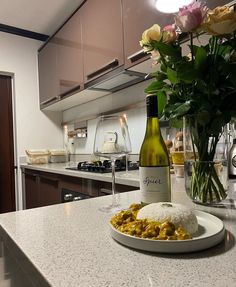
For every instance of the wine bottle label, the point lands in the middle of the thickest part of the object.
(154, 184)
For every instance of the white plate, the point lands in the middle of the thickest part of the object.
(210, 232)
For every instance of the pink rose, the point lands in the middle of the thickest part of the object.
(190, 17)
(169, 34)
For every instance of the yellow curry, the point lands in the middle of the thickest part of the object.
(126, 222)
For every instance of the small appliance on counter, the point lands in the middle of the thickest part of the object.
(104, 166)
(58, 156)
(37, 156)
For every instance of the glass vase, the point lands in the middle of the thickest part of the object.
(205, 167)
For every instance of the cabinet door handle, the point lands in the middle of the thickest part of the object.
(29, 174)
(137, 56)
(55, 180)
(70, 92)
(49, 101)
(110, 65)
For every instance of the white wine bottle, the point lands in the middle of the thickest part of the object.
(154, 165)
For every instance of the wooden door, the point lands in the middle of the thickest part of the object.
(7, 173)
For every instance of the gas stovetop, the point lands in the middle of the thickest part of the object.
(103, 167)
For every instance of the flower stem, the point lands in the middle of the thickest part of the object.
(191, 46)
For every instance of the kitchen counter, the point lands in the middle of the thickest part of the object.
(70, 245)
(131, 179)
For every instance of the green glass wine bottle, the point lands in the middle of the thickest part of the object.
(154, 165)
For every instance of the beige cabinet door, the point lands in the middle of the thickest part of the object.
(214, 3)
(102, 37)
(48, 83)
(138, 16)
(70, 59)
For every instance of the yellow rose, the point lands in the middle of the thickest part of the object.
(151, 34)
(220, 21)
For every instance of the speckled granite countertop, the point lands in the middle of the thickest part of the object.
(131, 179)
(70, 245)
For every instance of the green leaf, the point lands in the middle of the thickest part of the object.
(182, 109)
(154, 87)
(203, 117)
(172, 76)
(200, 58)
(163, 68)
(187, 73)
(176, 123)
(162, 100)
(159, 76)
(230, 70)
(167, 49)
(177, 110)
(216, 125)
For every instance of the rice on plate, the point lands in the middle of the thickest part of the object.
(178, 214)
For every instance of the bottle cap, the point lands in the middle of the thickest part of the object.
(152, 105)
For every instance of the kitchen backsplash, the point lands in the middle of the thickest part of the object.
(136, 124)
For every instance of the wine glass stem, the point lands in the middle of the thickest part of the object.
(126, 163)
(113, 182)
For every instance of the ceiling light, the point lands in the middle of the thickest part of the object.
(170, 6)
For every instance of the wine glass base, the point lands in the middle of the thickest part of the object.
(112, 208)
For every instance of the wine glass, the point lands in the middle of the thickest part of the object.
(112, 141)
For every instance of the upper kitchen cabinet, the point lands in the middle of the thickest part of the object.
(48, 78)
(61, 63)
(214, 3)
(70, 58)
(102, 37)
(138, 16)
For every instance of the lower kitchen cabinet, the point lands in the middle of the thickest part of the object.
(45, 188)
(40, 189)
(104, 188)
(31, 188)
(49, 192)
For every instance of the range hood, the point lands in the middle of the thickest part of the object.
(115, 80)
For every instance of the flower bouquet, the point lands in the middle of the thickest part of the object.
(199, 85)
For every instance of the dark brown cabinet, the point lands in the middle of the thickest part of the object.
(104, 188)
(48, 77)
(102, 37)
(31, 188)
(45, 188)
(70, 58)
(40, 188)
(49, 192)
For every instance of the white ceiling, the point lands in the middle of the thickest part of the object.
(41, 16)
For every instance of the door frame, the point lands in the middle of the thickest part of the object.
(16, 163)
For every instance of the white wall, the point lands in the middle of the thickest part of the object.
(136, 124)
(34, 129)
(126, 97)
(136, 116)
